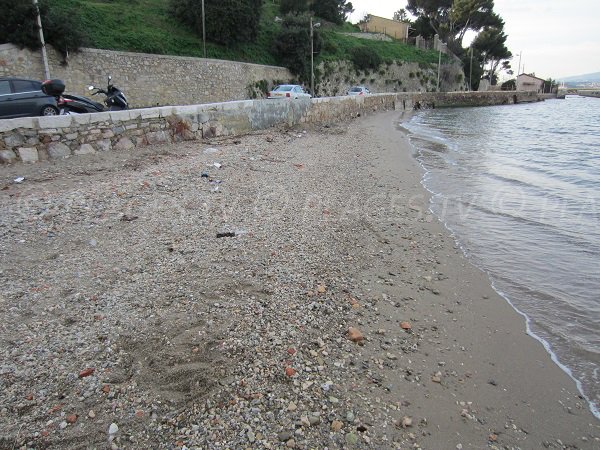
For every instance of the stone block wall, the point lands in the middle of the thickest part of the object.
(33, 139)
(337, 77)
(147, 80)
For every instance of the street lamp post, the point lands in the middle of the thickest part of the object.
(203, 30)
(312, 56)
(439, 66)
(471, 70)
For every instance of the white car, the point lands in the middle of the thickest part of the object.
(288, 91)
(358, 90)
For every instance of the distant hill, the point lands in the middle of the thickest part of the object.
(587, 78)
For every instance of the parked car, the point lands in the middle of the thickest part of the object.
(20, 97)
(358, 90)
(288, 91)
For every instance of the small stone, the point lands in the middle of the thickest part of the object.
(63, 425)
(355, 335)
(86, 372)
(91, 414)
(351, 439)
(113, 428)
(85, 149)
(106, 388)
(292, 407)
(290, 444)
(291, 351)
(437, 377)
(321, 289)
(314, 420)
(493, 437)
(71, 418)
(290, 371)
(406, 422)
(405, 325)
(336, 425)
(304, 421)
(139, 414)
(284, 436)
(251, 437)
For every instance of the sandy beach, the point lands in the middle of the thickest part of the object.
(285, 289)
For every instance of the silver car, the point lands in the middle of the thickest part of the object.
(358, 90)
(24, 98)
(288, 91)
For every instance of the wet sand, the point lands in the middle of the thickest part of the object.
(113, 263)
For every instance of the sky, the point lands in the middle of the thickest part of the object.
(556, 38)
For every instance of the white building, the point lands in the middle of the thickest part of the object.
(527, 82)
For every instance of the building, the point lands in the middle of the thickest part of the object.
(391, 28)
(527, 82)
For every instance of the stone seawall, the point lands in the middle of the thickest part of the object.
(35, 139)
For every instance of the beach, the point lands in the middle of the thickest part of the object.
(284, 289)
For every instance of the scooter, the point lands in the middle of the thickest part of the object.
(75, 104)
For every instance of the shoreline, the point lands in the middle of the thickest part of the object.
(528, 321)
(112, 263)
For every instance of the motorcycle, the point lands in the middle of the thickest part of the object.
(75, 104)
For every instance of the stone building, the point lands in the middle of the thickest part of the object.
(531, 83)
(392, 28)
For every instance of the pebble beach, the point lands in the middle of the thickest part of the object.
(284, 289)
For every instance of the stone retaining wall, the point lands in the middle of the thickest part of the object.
(147, 80)
(35, 139)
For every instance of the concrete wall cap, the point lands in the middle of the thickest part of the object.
(81, 119)
(120, 116)
(22, 122)
(99, 117)
(55, 121)
(149, 113)
(190, 110)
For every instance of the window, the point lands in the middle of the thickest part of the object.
(4, 87)
(26, 86)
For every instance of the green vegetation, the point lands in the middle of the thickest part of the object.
(148, 26)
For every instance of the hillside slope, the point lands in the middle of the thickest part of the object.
(146, 26)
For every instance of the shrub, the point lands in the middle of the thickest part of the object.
(365, 59)
(227, 21)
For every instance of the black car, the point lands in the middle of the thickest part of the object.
(24, 98)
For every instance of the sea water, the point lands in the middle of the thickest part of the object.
(519, 187)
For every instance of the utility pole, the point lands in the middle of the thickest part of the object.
(203, 30)
(42, 41)
(519, 69)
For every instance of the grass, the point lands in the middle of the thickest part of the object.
(146, 26)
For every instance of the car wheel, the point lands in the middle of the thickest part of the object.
(49, 110)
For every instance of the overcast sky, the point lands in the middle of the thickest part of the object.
(557, 38)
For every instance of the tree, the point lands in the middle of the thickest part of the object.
(227, 21)
(293, 6)
(61, 25)
(491, 44)
(401, 15)
(452, 18)
(510, 85)
(334, 11)
(292, 46)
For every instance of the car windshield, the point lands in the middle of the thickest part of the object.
(284, 88)
(356, 89)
